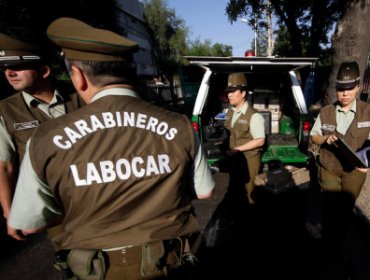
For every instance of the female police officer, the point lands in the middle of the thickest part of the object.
(340, 180)
(247, 133)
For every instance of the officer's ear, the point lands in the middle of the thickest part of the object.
(82, 84)
(45, 70)
(78, 79)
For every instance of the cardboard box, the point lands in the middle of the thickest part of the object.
(275, 125)
(281, 179)
(275, 115)
(259, 107)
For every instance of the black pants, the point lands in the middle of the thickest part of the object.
(357, 248)
(346, 239)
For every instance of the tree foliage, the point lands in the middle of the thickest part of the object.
(168, 32)
(198, 48)
(171, 36)
(305, 28)
(306, 23)
(221, 50)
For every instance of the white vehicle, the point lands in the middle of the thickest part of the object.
(274, 90)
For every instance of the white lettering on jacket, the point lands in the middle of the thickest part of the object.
(107, 171)
(108, 120)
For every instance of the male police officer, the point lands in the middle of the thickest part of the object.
(36, 101)
(247, 133)
(341, 182)
(121, 171)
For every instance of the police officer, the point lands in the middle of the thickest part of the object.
(348, 118)
(247, 134)
(37, 100)
(120, 171)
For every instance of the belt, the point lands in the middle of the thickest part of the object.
(127, 255)
(149, 259)
(132, 254)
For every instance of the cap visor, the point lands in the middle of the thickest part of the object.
(231, 89)
(344, 86)
(19, 63)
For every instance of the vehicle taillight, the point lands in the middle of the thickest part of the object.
(306, 128)
(195, 126)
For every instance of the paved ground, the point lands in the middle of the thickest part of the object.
(33, 259)
(264, 241)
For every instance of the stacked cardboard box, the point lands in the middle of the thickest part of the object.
(271, 104)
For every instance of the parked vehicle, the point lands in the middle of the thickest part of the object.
(274, 91)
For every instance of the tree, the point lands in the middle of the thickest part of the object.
(169, 35)
(168, 32)
(307, 22)
(351, 41)
(198, 48)
(222, 50)
(170, 40)
(304, 29)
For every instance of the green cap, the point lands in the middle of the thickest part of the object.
(14, 52)
(348, 75)
(236, 81)
(81, 41)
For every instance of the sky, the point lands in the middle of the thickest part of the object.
(207, 19)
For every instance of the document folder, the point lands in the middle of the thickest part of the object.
(357, 159)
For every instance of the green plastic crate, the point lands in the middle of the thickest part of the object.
(285, 154)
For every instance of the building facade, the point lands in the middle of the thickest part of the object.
(131, 19)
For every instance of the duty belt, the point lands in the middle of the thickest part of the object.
(154, 258)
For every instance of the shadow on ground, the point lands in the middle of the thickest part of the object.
(266, 240)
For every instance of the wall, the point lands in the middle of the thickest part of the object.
(131, 20)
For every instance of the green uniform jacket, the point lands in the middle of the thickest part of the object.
(357, 134)
(121, 169)
(240, 132)
(22, 120)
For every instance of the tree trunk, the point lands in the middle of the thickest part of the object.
(350, 42)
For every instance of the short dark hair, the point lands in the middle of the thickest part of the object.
(103, 73)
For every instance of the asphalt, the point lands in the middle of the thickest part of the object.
(33, 259)
(265, 241)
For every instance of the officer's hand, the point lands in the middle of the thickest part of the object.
(364, 170)
(232, 152)
(15, 233)
(331, 139)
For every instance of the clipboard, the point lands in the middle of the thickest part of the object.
(357, 159)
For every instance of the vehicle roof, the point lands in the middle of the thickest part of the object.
(252, 64)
